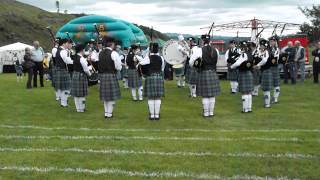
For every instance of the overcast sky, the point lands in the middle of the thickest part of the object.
(185, 16)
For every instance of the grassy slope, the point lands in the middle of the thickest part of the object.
(298, 109)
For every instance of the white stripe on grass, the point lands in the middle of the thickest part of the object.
(155, 153)
(154, 138)
(157, 130)
(150, 174)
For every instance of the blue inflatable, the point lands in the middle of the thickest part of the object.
(82, 30)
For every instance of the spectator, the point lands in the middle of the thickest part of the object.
(18, 68)
(28, 66)
(300, 59)
(316, 63)
(37, 56)
(46, 66)
(290, 65)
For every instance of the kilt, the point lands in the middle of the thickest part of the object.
(109, 87)
(256, 76)
(233, 74)
(208, 84)
(79, 84)
(245, 82)
(266, 80)
(134, 80)
(178, 71)
(275, 76)
(62, 79)
(154, 86)
(193, 76)
(124, 72)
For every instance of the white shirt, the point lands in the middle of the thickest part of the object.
(146, 60)
(54, 51)
(116, 59)
(64, 55)
(264, 55)
(95, 56)
(84, 64)
(243, 57)
(196, 52)
(226, 56)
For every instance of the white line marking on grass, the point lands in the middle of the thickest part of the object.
(154, 138)
(157, 130)
(145, 152)
(151, 174)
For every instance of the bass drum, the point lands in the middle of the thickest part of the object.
(172, 54)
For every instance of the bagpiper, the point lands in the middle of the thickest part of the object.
(266, 75)
(192, 74)
(134, 78)
(154, 82)
(108, 65)
(79, 85)
(52, 67)
(231, 55)
(62, 77)
(245, 63)
(255, 71)
(274, 53)
(208, 85)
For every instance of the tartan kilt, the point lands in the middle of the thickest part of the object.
(154, 86)
(208, 84)
(124, 72)
(233, 74)
(53, 77)
(245, 82)
(179, 71)
(109, 87)
(79, 85)
(193, 76)
(266, 80)
(134, 80)
(275, 76)
(62, 79)
(256, 76)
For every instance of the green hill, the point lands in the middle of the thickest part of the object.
(25, 23)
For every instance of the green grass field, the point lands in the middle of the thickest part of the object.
(40, 140)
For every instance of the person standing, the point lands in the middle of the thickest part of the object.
(316, 63)
(62, 78)
(54, 69)
(256, 72)
(154, 83)
(28, 65)
(192, 74)
(124, 70)
(79, 85)
(179, 69)
(46, 62)
(18, 68)
(266, 75)
(245, 63)
(230, 56)
(300, 60)
(274, 54)
(208, 86)
(290, 64)
(108, 65)
(37, 56)
(134, 78)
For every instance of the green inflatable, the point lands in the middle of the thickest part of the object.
(83, 29)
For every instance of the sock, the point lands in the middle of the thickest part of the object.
(256, 90)
(232, 86)
(243, 98)
(110, 105)
(191, 90)
(134, 93)
(64, 97)
(183, 83)
(276, 94)
(57, 94)
(157, 105)
(126, 83)
(178, 81)
(212, 102)
(82, 102)
(151, 104)
(250, 102)
(194, 90)
(236, 84)
(105, 104)
(205, 104)
(140, 92)
(267, 98)
(77, 104)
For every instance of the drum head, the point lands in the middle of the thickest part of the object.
(171, 54)
(177, 66)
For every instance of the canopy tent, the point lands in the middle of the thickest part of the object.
(82, 30)
(10, 53)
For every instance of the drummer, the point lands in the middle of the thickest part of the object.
(179, 68)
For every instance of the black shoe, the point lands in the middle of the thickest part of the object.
(64, 106)
(106, 117)
(249, 111)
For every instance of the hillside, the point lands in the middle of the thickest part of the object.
(25, 23)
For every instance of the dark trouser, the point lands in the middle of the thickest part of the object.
(316, 69)
(38, 68)
(30, 74)
(290, 69)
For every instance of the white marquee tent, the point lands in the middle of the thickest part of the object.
(9, 53)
